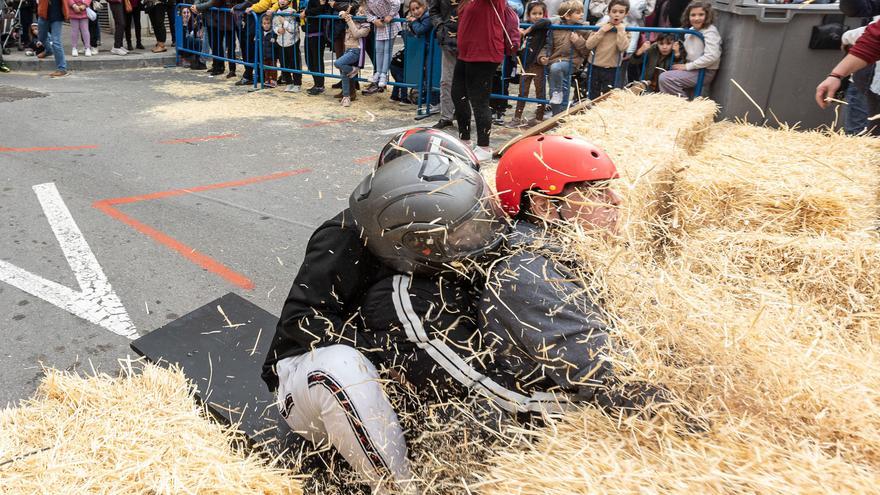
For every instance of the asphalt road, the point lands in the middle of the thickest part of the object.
(254, 190)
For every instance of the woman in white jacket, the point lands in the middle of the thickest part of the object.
(701, 53)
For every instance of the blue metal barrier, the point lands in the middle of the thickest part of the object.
(210, 34)
(246, 29)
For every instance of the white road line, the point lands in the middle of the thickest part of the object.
(388, 132)
(96, 301)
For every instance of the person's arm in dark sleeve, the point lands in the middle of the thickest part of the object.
(551, 322)
(315, 8)
(319, 306)
(436, 14)
(860, 8)
(204, 6)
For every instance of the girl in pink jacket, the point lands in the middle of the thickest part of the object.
(79, 25)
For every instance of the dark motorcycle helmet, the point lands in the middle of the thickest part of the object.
(420, 211)
(426, 140)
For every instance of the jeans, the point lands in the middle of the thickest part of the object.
(346, 63)
(602, 80)
(560, 81)
(57, 47)
(855, 116)
(471, 86)
(383, 56)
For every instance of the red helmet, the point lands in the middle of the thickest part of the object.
(547, 164)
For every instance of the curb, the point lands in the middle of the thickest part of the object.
(33, 64)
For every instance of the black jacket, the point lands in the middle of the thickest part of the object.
(860, 8)
(535, 42)
(313, 10)
(444, 17)
(326, 294)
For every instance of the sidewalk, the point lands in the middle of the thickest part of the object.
(18, 61)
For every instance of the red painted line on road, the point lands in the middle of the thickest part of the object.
(187, 252)
(328, 122)
(47, 148)
(200, 259)
(366, 159)
(199, 139)
(209, 187)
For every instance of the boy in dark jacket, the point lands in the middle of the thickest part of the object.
(657, 57)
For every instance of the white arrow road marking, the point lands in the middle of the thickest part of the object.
(96, 302)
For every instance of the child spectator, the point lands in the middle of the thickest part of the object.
(34, 46)
(381, 13)
(534, 47)
(287, 29)
(607, 49)
(192, 38)
(657, 57)
(268, 52)
(419, 25)
(79, 25)
(566, 54)
(701, 54)
(350, 61)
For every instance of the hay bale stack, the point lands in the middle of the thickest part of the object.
(837, 275)
(780, 181)
(647, 136)
(139, 433)
(793, 395)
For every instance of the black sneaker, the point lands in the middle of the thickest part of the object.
(498, 118)
(139, 46)
(315, 91)
(337, 85)
(244, 82)
(442, 124)
(198, 66)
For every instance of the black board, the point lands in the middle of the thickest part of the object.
(223, 356)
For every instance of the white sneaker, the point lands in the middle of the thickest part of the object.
(383, 80)
(374, 77)
(292, 89)
(118, 51)
(346, 101)
(88, 52)
(74, 52)
(483, 153)
(434, 108)
(556, 98)
(95, 50)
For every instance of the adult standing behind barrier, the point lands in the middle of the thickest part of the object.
(315, 43)
(381, 14)
(51, 16)
(866, 51)
(701, 54)
(26, 17)
(481, 47)
(444, 17)
(156, 11)
(219, 34)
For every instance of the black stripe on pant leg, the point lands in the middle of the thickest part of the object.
(319, 378)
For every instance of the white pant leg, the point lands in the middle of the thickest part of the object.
(333, 394)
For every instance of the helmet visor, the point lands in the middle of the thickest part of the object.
(481, 230)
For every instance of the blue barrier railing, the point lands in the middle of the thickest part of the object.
(223, 27)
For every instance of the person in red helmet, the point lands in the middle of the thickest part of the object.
(532, 340)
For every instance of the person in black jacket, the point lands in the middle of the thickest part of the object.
(445, 21)
(315, 42)
(220, 25)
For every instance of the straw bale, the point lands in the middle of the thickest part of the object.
(646, 136)
(140, 432)
(780, 181)
(792, 395)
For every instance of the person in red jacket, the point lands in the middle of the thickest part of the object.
(481, 43)
(866, 51)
